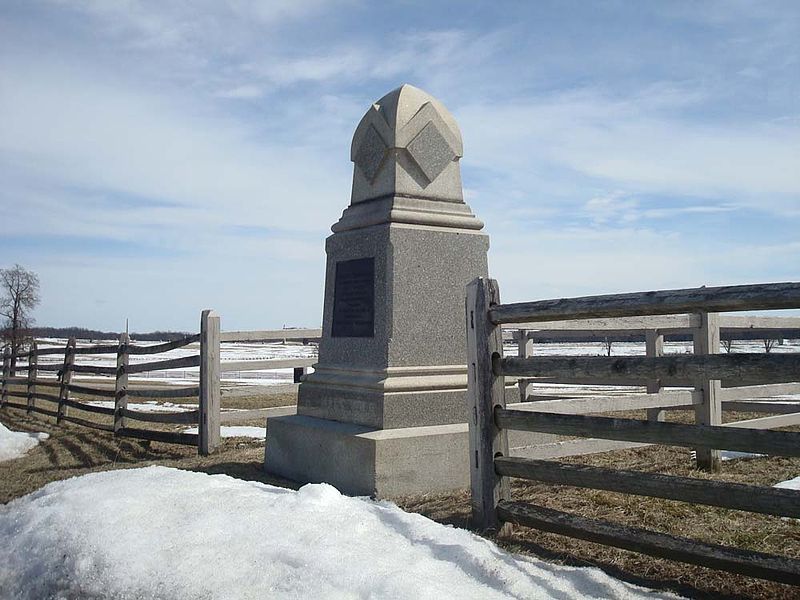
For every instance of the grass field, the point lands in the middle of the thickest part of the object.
(74, 450)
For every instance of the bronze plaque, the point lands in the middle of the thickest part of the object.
(354, 298)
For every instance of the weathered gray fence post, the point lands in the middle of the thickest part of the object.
(32, 373)
(485, 391)
(209, 382)
(524, 350)
(121, 382)
(6, 374)
(66, 379)
(654, 344)
(706, 341)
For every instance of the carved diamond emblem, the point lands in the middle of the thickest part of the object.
(370, 154)
(431, 151)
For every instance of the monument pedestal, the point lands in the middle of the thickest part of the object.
(363, 461)
(384, 412)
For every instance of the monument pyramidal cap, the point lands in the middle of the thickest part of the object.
(384, 412)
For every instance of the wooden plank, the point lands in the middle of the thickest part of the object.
(709, 412)
(80, 389)
(210, 393)
(100, 410)
(735, 496)
(6, 375)
(85, 423)
(270, 335)
(105, 349)
(168, 437)
(628, 324)
(765, 296)
(121, 382)
(485, 391)
(49, 351)
(758, 391)
(755, 322)
(765, 367)
(267, 364)
(185, 417)
(165, 347)
(744, 562)
(599, 404)
(47, 397)
(782, 443)
(162, 365)
(579, 447)
(773, 422)
(90, 369)
(783, 408)
(182, 392)
(654, 346)
(44, 411)
(12, 404)
(16, 394)
(65, 378)
(32, 373)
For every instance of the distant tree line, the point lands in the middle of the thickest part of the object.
(82, 333)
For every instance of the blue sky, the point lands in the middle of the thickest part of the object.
(158, 158)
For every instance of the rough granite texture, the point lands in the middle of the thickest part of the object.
(385, 415)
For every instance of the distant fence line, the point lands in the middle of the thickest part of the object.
(491, 462)
(59, 404)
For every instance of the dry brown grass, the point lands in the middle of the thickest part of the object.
(73, 450)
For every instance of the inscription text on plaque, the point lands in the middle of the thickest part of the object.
(354, 298)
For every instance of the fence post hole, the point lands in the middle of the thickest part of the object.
(485, 392)
(299, 372)
(209, 382)
(66, 378)
(6, 374)
(654, 344)
(32, 373)
(524, 350)
(706, 341)
(121, 382)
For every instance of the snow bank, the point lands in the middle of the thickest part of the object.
(164, 533)
(236, 431)
(14, 444)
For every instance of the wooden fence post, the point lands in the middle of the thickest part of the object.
(209, 382)
(66, 379)
(121, 382)
(524, 350)
(485, 391)
(654, 344)
(32, 373)
(6, 374)
(706, 341)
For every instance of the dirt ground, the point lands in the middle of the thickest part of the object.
(73, 450)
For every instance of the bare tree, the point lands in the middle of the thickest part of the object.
(19, 295)
(769, 344)
(607, 344)
(728, 345)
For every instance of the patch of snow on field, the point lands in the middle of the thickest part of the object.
(14, 444)
(225, 431)
(164, 533)
(149, 406)
(732, 455)
(789, 484)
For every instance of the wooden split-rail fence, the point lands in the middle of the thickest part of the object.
(53, 397)
(492, 463)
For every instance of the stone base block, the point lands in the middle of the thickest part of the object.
(362, 461)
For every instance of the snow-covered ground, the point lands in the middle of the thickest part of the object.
(259, 433)
(790, 484)
(164, 533)
(14, 444)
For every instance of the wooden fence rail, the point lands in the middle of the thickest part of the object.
(490, 419)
